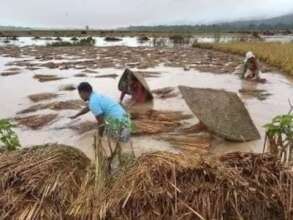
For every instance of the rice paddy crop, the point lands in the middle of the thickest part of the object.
(279, 55)
(59, 182)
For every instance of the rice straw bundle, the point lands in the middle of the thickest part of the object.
(189, 143)
(169, 186)
(36, 121)
(40, 182)
(56, 106)
(58, 182)
(154, 121)
(42, 96)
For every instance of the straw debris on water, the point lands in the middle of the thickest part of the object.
(46, 78)
(42, 96)
(36, 121)
(154, 121)
(56, 105)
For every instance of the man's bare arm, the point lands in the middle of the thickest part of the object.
(82, 112)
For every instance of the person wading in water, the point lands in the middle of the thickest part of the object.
(113, 122)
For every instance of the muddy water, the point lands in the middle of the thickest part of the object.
(15, 89)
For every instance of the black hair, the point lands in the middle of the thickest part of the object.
(85, 87)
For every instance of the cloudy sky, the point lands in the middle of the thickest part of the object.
(117, 13)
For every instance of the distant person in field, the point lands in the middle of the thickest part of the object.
(134, 84)
(112, 119)
(251, 69)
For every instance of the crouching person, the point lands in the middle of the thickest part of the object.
(135, 85)
(251, 70)
(113, 121)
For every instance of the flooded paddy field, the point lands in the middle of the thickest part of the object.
(147, 40)
(50, 75)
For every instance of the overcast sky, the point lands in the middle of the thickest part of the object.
(117, 13)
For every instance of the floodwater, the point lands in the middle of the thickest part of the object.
(152, 42)
(15, 89)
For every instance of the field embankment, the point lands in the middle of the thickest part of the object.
(276, 54)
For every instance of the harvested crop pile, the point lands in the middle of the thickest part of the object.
(267, 177)
(164, 93)
(149, 74)
(189, 143)
(84, 127)
(46, 78)
(57, 106)
(66, 105)
(36, 121)
(58, 182)
(260, 94)
(169, 186)
(154, 122)
(194, 129)
(10, 73)
(40, 182)
(164, 90)
(68, 87)
(80, 75)
(148, 127)
(145, 122)
(42, 96)
(107, 76)
(159, 115)
(12, 69)
(87, 203)
(133, 57)
(90, 71)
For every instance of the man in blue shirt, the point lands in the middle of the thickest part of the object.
(110, 115)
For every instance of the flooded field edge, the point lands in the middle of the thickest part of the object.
(277, 103)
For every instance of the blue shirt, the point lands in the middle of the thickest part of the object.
(101, 105)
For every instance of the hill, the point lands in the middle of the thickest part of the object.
(276, 24)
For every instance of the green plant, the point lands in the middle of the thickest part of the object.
(8, 138)
(282, 124)
(279, 136)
